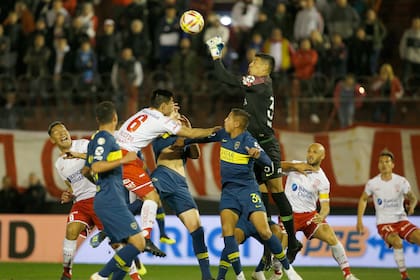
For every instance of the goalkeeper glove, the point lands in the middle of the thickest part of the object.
(215, 46)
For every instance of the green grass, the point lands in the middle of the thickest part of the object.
(31, 271)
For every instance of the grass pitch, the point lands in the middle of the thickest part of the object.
(48, 271)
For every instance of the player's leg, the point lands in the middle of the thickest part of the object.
(396, 243)
(259, 220)
(325, 233)
(228, 220)
(279, 231)
(73, 229)
(160, 219)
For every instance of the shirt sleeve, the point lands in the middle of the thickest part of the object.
(225, 76)
(171, 126)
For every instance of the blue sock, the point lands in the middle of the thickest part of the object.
(232, 251)
(121, 260)
(275, 246)
(118, 275)
(260, 266)
(201, 252)
(223, 266)
(160, 219)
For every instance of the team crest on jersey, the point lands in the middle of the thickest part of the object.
(248, 80)
(101, 141)
(237, 144)
(133, 225)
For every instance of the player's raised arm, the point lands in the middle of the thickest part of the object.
(104, 166)
(188, 132)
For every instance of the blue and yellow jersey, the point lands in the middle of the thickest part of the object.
(167, 140)
(236, 166)
(103, 147)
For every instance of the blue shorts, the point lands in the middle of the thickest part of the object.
(241, 200)
(118, 222)
(173, 189)
(249, 229)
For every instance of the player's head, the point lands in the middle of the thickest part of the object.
(261, 65)
(386, 161)
(237, 119)
(106, 113)
(59, 135)
(163, 100)
(315, 154)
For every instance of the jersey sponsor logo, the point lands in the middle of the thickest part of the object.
(294, 187)
(98, 153)
(233, 157)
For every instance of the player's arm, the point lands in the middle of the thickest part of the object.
(301, 167)
(189, 132)
(191, 151)
(261, 158)
(324, 211)
(412, 202)
(67, 195)
(70, 155)
(104, 165)
(361, 208)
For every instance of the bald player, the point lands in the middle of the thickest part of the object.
(303, 192)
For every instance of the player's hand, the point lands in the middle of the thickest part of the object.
(185, 121)
(410, 209)
(360, 227)
(66, 196)
(216, 128)
(130, 156)
(317, 219)
(215, 46)
(253, 152)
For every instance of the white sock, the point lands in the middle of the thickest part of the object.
(148, 216)
(240, 276)
(133, 268)
(69, 248)
(340, 255)
(399, 259)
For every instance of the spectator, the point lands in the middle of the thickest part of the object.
(244, 15)
(342, 20)
(264, 25)
(56, 9)
(9, 197)
(185, 69)
(136, 10)
(108, 46)
(78, 34)
(375, 35)
(13, 30)
(138, 40)
(25, 16)
(34, 196)
(304, 61)
(40, 28)
(283, 19)
(337, 57)
(359, 54)
(410, 50)
(321, 45)
(7, 58)
(89, 20)
(86, 68)
(167, 35)
(307, 20)
(57, 31)
(11, 111)
(127, 77)
(347, 97)
(204, 7)
(388, 89)
(256, 43)
(61, 59)
(36, 58)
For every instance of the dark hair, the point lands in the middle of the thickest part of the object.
(160, 96)
(386, 152)
(105, 112)
(52, 125)
(268, 59)
(242, 115)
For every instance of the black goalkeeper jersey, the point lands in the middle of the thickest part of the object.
(258, 102)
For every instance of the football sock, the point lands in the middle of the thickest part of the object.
(118, 275)
(223, 266)
(160, 219)
(399, 259)
(340, 256)
(232, 251)
(133, 271)
(120, 260)
(286, 216)
(148, 216)
(275, 246)
(266, 200)
(260, 266)
(201, 252)
(69, 248)
(135, 206)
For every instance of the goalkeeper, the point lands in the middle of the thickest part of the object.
(259, 104)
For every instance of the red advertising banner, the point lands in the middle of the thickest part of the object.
(350, 161)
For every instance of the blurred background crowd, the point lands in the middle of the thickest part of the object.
(337, 63)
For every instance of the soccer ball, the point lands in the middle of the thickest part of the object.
(191, 22)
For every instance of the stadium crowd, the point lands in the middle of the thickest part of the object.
(60, 53)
